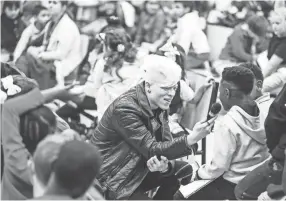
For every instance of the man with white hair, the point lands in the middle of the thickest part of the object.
(135, 141)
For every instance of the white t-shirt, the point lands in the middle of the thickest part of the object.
(189, 34)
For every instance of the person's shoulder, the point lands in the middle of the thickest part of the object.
(128, 101)
(190, 16)
(67, 21)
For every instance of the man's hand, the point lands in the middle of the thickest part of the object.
(200, 131)
(70, 135)
(154, 165)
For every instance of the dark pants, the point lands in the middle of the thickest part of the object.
(219, 189)
(168, 185)
(43, 72)
(257, 181)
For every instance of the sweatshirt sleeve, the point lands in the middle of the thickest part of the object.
(222, 154)
(24, 103)
(15, 152)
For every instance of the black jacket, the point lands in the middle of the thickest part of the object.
(275, 126)
(125, 137)
(11, 31)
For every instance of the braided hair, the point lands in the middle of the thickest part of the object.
(35, 125)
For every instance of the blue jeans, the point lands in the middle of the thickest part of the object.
(257, 181)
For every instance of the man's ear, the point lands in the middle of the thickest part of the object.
(147, 84)
(259, 84)
(227, 93)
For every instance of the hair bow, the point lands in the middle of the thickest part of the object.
(101, 37)
(170, 51)
(120, 48)
(3, 97)
(8, 85)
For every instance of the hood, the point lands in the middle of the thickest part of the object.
(245, 123)
(264, 98)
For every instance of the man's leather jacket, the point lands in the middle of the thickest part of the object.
(125, 138)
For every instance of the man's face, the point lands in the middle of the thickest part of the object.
(43, 17)
(161, 96)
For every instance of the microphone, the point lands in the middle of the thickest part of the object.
(215, 109)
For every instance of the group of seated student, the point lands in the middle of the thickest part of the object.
(55, 56)
(35, 141)
(244, 45)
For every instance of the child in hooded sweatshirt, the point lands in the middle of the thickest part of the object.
(270, 172)
(240, 140)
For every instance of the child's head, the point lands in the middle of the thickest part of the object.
(11, 9)
(180, 8)
(258, 79)
(41, 14)
(278, 22)
(118, 48)
(28, 9)
(152, 6)
(43, 159)
(258, 26)
(75, 168)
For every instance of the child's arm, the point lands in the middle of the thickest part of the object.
(23, 43)
(199, 93)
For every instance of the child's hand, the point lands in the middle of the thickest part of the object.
(199, 93)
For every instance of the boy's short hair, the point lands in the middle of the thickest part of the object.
(239, 76)
(45, 155)
(76, 167)
(37, 9)
(258, 25)
(255, 69)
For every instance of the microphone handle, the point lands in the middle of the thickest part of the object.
(210, 115)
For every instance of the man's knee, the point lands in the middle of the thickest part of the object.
(183, 171)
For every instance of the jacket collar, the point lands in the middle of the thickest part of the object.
(143, 100)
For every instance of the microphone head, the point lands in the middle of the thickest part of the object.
(215, 109)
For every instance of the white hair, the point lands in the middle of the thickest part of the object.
(161, 70)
